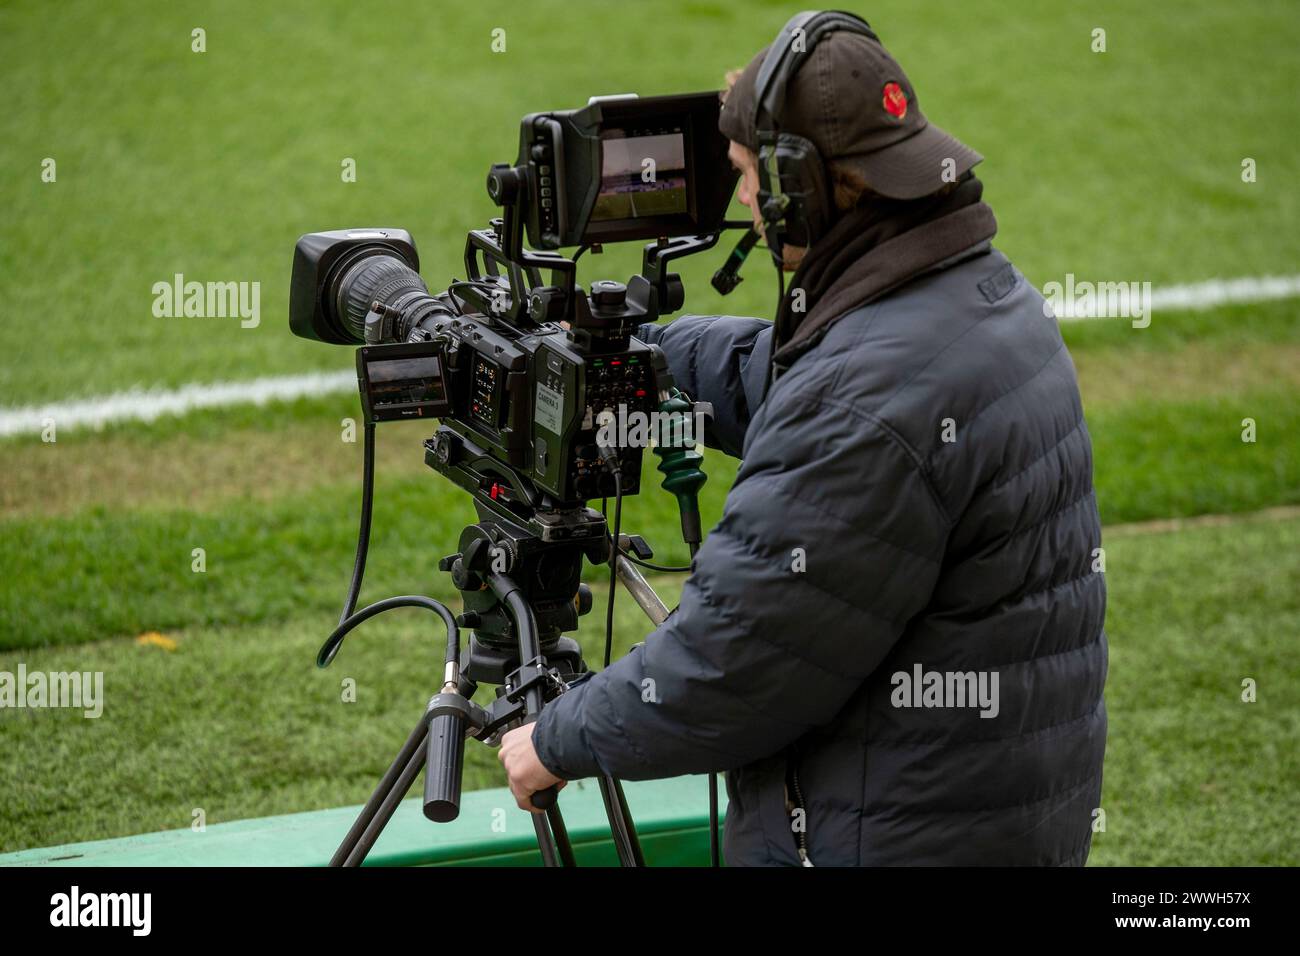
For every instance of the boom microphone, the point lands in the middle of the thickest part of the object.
(728, 277)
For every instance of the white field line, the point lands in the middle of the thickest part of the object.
(148, 404)
(145, 405)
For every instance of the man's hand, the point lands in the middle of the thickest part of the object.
(527, 774)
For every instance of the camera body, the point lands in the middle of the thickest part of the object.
(529, 396)
(528, 378)
(535, 401)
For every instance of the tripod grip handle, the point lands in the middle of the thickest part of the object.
(545, 799)
(444, 767)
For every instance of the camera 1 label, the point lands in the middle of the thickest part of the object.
(548, 408)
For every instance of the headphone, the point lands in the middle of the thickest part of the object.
(793, 192)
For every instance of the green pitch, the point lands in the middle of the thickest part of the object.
(1122, 165)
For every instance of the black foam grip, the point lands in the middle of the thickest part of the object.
(443, 768)
(545, 799)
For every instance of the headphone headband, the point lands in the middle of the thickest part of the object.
(783, 60)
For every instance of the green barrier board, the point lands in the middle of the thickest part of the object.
(671, 819)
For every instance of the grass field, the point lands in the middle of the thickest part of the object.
(1118, 166)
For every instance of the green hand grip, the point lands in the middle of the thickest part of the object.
(679, 460)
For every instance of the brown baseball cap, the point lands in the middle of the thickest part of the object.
(857, 106)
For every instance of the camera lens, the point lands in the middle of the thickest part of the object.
(371, 275)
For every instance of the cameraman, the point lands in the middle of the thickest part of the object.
(892, 641)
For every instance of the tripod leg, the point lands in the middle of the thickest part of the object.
(714, 855)
(561, 833)
(628, 824)
(641, 591)
(545, 842)
(618, 822)
(386, 809)
(414, 744)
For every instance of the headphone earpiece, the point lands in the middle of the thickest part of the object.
(796, 202)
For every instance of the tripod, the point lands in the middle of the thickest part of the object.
(517, 645)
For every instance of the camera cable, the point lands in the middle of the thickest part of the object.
(351, 617)
(665, 569)
(613, 561)
(363, 534)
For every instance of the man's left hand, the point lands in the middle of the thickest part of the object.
(526, 772)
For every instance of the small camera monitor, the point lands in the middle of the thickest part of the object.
(402, 381)
(626, 168)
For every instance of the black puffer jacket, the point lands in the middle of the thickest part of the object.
(916, 496)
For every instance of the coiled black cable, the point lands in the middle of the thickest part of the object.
(350, 617)
(332, 643)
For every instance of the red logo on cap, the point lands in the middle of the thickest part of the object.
(895, 100)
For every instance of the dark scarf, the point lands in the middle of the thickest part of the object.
(872, 250)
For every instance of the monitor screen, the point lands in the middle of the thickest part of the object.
(641, 176)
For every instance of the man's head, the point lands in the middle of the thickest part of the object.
(848, 98)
